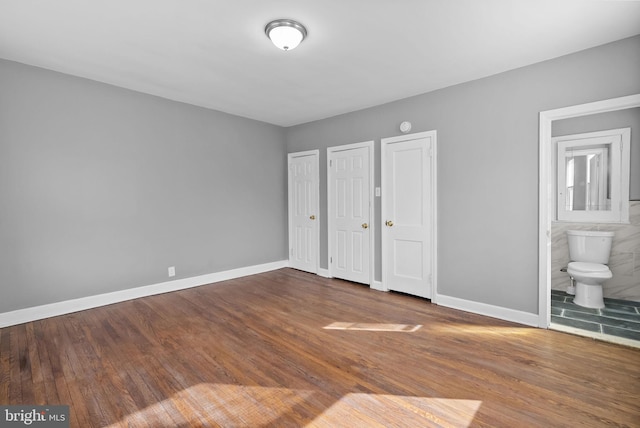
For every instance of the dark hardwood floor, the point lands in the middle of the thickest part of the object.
(255, 352)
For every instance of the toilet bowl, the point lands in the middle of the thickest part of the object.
(588, 278)
(589, 253)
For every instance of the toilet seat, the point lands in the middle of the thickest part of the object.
(587, 273)
(583, 267)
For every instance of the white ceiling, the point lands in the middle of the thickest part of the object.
(359, 53)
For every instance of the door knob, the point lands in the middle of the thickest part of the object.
(388, 223)
(312, 217)
(365, 225)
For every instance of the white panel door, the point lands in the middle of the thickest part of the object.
(349, 213)
(408, 214)
(303, 210)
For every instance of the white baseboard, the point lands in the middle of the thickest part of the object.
(377, 285)
(324, 273)
(61, 308)
(489, 310)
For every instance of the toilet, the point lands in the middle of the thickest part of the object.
(589, 253)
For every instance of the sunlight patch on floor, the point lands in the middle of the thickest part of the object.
(393, 410)
(407, 328)
(226, 405)
(483, 329)
(209, 404)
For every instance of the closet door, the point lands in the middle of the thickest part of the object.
(349, 190)
(408, 213)
(303, 210)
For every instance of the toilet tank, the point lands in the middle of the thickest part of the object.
(589, 246)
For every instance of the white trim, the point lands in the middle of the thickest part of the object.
(323, 273)
(434, 209)
(435, 297)
(372, 240)
(546, 191)
(377, 285)
(290, 156)
(499, 312)
(69, 306)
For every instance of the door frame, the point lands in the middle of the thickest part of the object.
(434, 206)
(290, 157)
(546, 202)
(331, 226)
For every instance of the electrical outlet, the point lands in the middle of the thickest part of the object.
(172, 271)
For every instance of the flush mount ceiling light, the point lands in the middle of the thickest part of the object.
(286, 34)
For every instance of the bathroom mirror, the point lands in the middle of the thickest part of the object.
(593, 176)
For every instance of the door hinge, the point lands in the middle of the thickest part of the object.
(330, 162)
(330, 259)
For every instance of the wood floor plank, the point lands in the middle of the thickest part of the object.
(17, 366)
(128, 382)
(52, 343)
(48, 379)
(37, 376)
(5, 364)
(255, 351)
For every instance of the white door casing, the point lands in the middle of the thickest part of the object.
(409, 214)
(304, 234)
(546, 197)
(350, 208)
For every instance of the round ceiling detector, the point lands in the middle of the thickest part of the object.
(286, 34)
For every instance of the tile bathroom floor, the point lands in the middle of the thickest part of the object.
(619, 318)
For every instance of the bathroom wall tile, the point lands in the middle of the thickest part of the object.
(559, 256)
(634, 213)
(559, 280)
(630, 241)
(621, 264)
(627, 292)
(624, 261)
(625, 284)
(626, 239)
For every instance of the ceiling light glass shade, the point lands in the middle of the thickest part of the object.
(286, 34)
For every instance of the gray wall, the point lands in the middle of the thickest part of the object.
(487, 164)
(103, 188)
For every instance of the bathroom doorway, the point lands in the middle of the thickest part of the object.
(556, 309)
